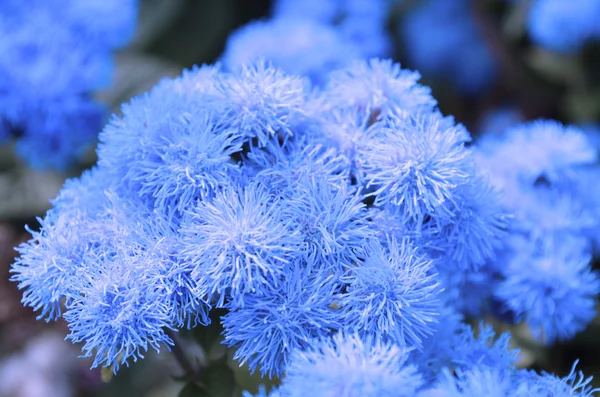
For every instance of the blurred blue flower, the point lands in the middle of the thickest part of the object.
(551, 286)
(54, 56)
(442, 40)
(362, 23)
(564, 26)
(478, 381)
(262, 102)
(298, 54)
(319, 37)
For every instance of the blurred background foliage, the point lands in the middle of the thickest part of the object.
(531, 83)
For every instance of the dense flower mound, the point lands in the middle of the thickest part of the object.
(343, 231)
(54, 56)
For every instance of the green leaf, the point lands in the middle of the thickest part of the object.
(219, 379)
(25, 193)
(557, 68)
(247, 381)
(515, 22)
(210, 337)
(582, 106)
(193, 390)
(135, 73)
(155, 16)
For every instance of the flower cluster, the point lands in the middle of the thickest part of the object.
(54, 56)
(345, 231)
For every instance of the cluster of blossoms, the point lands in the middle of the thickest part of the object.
(55, 54)
(346, 230)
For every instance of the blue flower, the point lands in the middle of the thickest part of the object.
(482, 381)
(320, 37)
(492, 381)
(544, 384)
(299, 54)
(262, 392)
(72, 234)
(485, 349)
(54, 56)
(350, 366)
(442, 40)
(377, 85)
(417, 165)
(362, 23)
(108, 23)
(56, 137)
(475, 231)
(563, 27)
(262, 102)
(496, 121)
(393, 293)
(280, 167)
(117, 316)
(238, 243)
(314, 10)
(332, 221)
(529, 152)
(270, 326)
(170, 149)
(549, 283)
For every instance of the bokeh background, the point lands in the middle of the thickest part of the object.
(488, 83)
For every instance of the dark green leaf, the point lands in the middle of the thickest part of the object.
(219, 379)
(210, 337)
(193, 390)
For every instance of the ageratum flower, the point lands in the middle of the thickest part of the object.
(271, 326)
(118, 315)
(492, 381)
(239, 243)
(170, 149)
(332, 221)
(564, 27)
(361, 23)
(418, 165)
(348, 365)
(393, 293)
(280, 167)
(377, 85)
(549, 283)
(263, 102)
(298, 54)
(442, 40)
